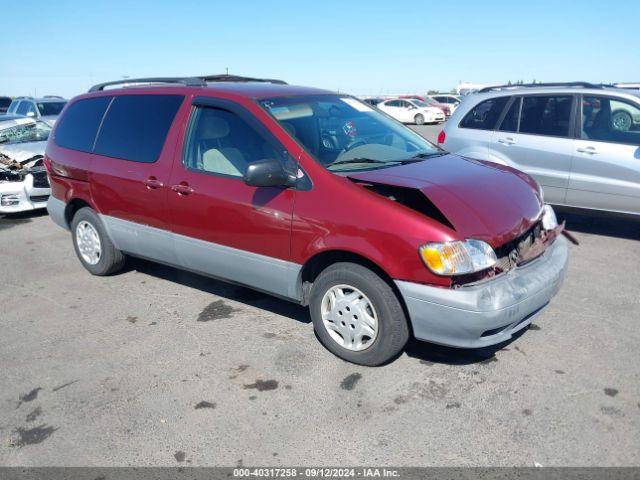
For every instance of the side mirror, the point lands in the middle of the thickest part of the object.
(31, 114)
(267, 173)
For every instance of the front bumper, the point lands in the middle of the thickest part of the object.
(22, 196)
(490, 312)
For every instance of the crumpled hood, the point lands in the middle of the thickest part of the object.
(23, 151)
(481, 200)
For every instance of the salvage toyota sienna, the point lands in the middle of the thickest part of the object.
(309, 195)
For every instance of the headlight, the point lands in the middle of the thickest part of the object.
(549, 220)
(457, 258)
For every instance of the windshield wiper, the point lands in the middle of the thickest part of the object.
(360, 160)
(423, 155)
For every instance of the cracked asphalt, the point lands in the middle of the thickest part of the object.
(155, 366)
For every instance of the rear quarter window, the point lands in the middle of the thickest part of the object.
(485, 115)
(136, 126)
(78, 126)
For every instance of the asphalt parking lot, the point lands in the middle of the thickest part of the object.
(155, 366)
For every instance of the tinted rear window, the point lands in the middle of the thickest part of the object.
(78, 126)
(136, 126)
(485, 115)
(546, 115)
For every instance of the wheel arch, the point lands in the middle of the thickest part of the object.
(321, 260)
(72, 207)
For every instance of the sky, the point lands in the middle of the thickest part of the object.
(359, 47)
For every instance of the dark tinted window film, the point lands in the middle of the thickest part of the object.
(510, 120)
(484, 116)
(546, 115)
(136, 126)
(78, 126)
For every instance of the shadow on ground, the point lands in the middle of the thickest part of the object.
(600, 223)
(16, 219)
(427, 353)
(430, 353)
(222, 289)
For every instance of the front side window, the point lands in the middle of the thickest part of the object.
(30, 132)
(222, 143)
(344, 134)
(485, 115)
(546, 115)
(610, 120)
(51, 108)
(135, 127)
(13, 107)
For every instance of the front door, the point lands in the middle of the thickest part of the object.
(223, 227)
(605, 174)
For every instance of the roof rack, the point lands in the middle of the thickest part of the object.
(238, 78)
(53, 96)
(188, 81)
(199, 81)
(552, 84)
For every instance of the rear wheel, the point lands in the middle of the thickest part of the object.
(357, 315)
(92, 244)
(419, 119)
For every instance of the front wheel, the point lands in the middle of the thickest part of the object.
(419, 119)
(357, 315)
(92, 244)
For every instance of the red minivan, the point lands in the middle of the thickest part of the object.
(309, 195)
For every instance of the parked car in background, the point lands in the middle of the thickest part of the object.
(46, 108)
(4, 104)
(430, 102)
(273, 186)
(580, 141)
(412, 111)
(373, 101)
(449, 99)
(23, 178)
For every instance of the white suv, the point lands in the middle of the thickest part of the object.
(580, 141)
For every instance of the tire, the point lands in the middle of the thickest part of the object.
(621, 121)
(110, 259)
(392, 330)
(419, 119)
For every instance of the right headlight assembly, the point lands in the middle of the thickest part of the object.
(458, 258)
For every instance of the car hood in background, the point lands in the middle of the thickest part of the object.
(480, 200)
(49, 119)
(23, 151)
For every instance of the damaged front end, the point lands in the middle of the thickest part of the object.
(524, 244)
(23, 184)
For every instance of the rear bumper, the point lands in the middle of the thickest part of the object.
(56, 209)
(488, 313)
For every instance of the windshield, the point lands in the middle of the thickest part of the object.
(51, 108)
(345, 134)
(27, 132)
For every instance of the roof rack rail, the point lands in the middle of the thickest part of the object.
(238, 78)
(53, 96)
(188, 81)
(550, 84)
